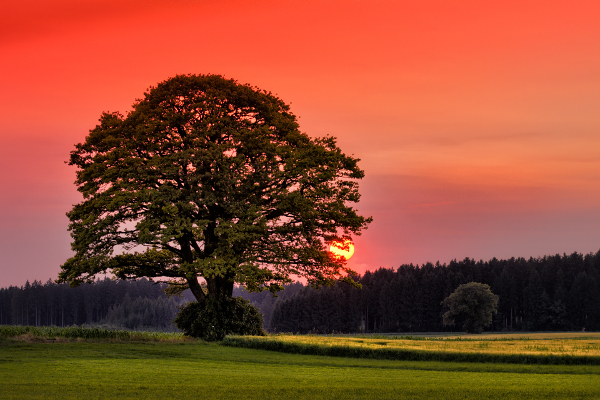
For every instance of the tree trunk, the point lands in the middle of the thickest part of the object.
(220, 287)
(196, 290)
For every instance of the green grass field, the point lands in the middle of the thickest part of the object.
(33, 367)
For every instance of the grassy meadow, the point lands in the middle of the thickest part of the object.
(39, 366)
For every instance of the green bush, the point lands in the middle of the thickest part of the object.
(214, 319)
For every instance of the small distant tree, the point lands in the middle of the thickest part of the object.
(472, 302)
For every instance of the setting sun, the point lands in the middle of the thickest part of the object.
(344, 250)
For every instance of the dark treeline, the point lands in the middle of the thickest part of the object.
(265, 301)
(548, 293)
(134, 304)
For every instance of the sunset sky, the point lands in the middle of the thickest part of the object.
(477, 122)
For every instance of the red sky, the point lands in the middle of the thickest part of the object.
(478, 123)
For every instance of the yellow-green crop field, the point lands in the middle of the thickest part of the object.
(540, 348)
(572, 343)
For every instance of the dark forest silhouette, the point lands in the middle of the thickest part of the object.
(132, 304)
(128, 304)
(547, 293)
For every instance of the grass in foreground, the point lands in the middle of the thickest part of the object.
(190, 370)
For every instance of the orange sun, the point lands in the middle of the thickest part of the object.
(342, 249)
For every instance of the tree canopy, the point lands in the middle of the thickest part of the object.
(474, 303)
(210, 182)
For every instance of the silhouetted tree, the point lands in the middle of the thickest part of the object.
(474, 303)
(213, 180)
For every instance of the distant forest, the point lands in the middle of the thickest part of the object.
(547, 293)
(539, 294)
(132, 304)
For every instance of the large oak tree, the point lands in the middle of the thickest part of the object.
(208, 182)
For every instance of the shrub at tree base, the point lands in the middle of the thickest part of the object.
(212, 320)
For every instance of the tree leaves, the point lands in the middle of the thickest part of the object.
(210, 179)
